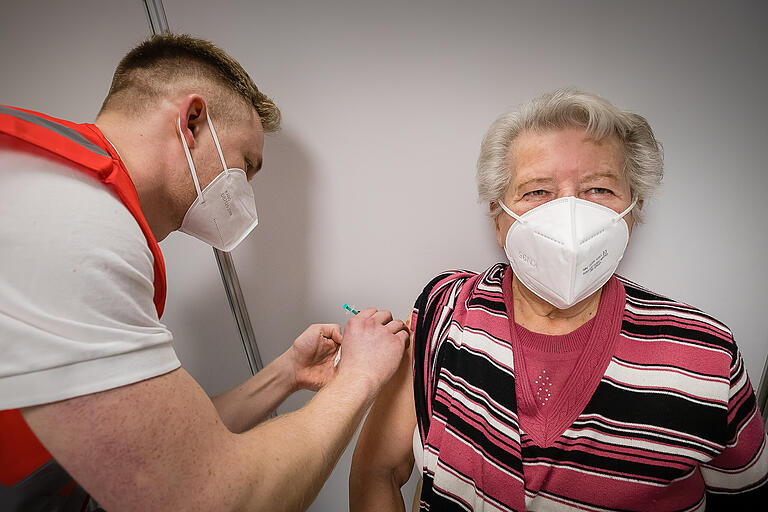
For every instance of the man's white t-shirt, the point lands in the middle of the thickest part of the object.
(76, 287)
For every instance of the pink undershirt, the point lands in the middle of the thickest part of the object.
(550, 360)
(558, 374)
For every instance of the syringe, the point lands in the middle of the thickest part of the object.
(354, 311)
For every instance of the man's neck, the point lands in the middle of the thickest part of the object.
(538, 315)
(137, 151)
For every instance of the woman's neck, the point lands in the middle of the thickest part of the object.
(538, 315)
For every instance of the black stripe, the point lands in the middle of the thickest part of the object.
(480, 373)
(634, 470)
(659, 410)
(661, 328)
(635, 432)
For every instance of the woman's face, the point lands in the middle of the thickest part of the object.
(561, 163)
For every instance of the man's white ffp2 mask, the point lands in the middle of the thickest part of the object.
(566, 249)
(224, 212)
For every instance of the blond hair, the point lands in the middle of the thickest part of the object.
(175, 62)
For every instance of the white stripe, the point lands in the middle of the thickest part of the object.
(738, 386)
(642, 444)
(654, 378)
(480, 341)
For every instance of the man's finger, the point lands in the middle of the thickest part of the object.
(383, 317)
(331, 331)
(404, 337)
(365, 313)
(396, 325)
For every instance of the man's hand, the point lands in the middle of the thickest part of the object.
(312, 355)
(374, 345)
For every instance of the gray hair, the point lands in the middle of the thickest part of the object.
(567, 108)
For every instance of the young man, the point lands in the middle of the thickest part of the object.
(90, 387)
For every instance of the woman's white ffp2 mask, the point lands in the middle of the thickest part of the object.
(566, 249)
(224, 212)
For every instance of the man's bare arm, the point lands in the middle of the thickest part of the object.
(308, 364)
(160, 444)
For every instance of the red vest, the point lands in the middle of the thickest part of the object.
(85, 148)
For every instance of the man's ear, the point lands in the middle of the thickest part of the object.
(192, 113)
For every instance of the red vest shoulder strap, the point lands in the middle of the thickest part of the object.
(85, 146)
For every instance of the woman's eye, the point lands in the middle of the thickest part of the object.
(598, 190)
(535, 193)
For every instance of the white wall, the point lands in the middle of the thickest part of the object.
(385, 104)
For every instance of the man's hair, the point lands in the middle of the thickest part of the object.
(178, 62)
(570, 108)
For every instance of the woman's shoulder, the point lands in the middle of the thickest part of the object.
(446, 287)
(645, 306)
(451, 282)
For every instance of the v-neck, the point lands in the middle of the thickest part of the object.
(545, 427)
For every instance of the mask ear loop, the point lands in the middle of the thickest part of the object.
(629, 208)
(216, 140)
(190, 162)
(510, 212)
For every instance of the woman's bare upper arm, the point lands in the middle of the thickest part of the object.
(384, 445)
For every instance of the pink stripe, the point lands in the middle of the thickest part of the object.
(662, 352)
(626, 452)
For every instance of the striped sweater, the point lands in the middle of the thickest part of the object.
(670, 422)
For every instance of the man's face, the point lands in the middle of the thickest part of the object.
(242, 143)
(560, 163)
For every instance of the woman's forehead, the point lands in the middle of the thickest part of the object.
(564, 154)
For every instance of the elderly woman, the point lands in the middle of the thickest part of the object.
(551, 383)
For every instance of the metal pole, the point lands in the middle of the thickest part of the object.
(239, 310)
(158, 23)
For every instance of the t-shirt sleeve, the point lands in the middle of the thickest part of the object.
(430, 319)
(76, 296)
(738, 476)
